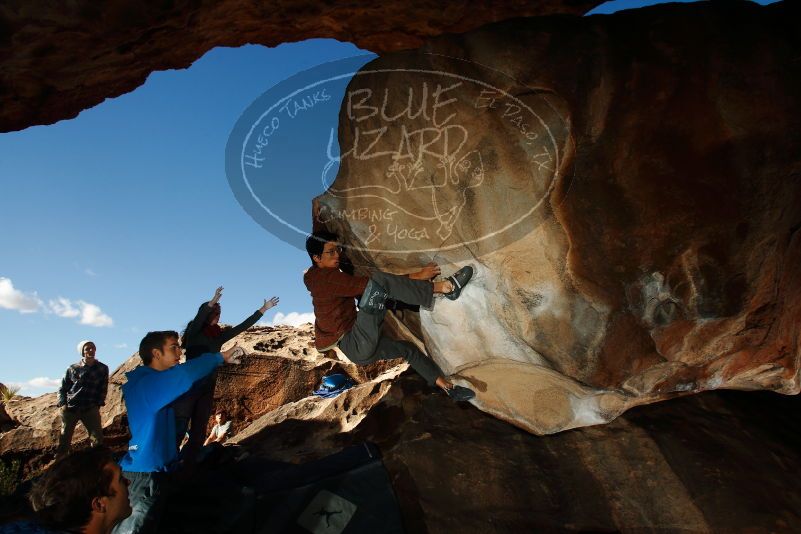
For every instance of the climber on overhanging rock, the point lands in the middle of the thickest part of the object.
(358, 333)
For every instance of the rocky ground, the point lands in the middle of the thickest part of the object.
(713, 462)
(274, 382)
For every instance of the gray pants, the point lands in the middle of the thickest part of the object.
(147, 493)
(364, 344)
(90, 417)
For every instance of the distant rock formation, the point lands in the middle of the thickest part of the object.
(628, 189)
(38, 421)
(274, 383)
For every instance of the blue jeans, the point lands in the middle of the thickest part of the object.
(147, 493)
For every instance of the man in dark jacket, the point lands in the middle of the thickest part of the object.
(204, 335)
(82, 393)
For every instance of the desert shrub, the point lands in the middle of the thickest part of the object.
(9, 477)
(7, 393)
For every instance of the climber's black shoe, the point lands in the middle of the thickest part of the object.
(460, 394)
(458, 280)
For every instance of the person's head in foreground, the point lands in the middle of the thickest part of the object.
(323, 249)
(83, 492)
(160, 350)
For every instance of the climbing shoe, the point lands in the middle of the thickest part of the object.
(458, 280)
(460, 394)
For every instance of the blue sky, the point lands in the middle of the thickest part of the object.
(122, 221)
(618, 5)
(126, 208)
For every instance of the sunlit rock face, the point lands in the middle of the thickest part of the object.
(37, 423)
(628, 189)
(272, 385)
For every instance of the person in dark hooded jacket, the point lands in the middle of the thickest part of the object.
(204, 335)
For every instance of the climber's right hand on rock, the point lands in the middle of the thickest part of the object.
(430, 271)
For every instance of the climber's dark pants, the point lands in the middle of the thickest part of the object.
(364, 344)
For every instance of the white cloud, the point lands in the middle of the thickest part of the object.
(89, 272)
(92, 315)
(121, 346)
(63, 308)
(88, 313)
(291, 319)
(14, 299)
(44, 382)
(37, 386)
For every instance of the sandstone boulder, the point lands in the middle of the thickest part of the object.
(626, 187)
(282, 368)
(38, 423)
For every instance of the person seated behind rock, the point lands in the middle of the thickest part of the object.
(220, 429)
(358, 333)
(211, 451)
(152, 451)
(184, 441)
(204, 335)
(83, 492)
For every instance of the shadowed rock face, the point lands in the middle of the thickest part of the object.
(57, 59)
(668, 467)
(628, 189)
(678, 466)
